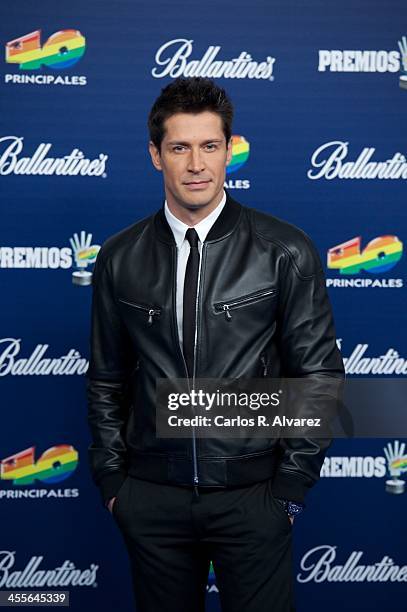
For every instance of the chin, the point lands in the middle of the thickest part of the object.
(196, 199)
(195, 205)
(203, 197)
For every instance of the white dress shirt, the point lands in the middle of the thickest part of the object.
(179, 228)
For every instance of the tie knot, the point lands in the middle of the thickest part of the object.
(192, 236)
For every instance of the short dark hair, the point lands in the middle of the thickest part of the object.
(189, 95)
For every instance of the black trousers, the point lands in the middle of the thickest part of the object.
(172, 534)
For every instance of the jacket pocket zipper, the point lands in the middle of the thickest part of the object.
(152, 312)
(227, 306)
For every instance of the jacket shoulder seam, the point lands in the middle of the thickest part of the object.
(285, 249)
(134, 237)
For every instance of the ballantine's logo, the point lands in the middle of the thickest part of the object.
(389, 363)
(36, 365)
(380, 255)
(73, 164)
(171, 60)
(60, 51)
(31, 576)
(317, 566)
(54, 465)
(327, 162)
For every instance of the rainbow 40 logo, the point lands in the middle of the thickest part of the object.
(379, 255)
(61, 50)
(240, 153)
(55, 464)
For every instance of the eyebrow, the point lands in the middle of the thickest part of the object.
(183, 142)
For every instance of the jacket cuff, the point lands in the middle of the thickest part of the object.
(290, 486)
(110, 484)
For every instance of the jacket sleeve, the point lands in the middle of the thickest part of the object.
(112, 361)
(308, 349)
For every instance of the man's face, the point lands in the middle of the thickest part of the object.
(193, 159)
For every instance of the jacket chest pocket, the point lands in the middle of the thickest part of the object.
(149, 312)
(228, 306)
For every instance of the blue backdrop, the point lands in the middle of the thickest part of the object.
(319, 139)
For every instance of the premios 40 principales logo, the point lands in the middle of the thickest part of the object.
(60, 51)
(81, 255)
(240, 155)
(28, 475)
(362, 267)
(85, 254)
(397, 464)
(370, 61)
(392, 463)
(403, 51)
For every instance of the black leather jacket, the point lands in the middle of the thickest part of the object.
(262, 310)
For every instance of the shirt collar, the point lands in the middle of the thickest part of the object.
(202, 228)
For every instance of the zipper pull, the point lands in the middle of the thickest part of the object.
(196, 490)
(227, 312)
(150, 316)
(263, 361)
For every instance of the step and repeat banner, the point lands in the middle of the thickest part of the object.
(320, 95)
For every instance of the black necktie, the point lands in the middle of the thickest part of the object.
(189, 305)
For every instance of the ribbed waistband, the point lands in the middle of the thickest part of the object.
(212, 472)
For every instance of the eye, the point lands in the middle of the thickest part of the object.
(178, 148)
(211, 146)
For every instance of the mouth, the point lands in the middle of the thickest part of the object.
(198, 184)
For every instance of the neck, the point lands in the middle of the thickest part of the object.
(192, 214)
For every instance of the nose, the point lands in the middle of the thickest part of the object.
(196, 163)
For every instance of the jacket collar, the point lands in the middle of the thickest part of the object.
(224, 224)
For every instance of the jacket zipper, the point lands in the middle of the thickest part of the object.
(264, 365)
(194, 457)
(198, 293)
(227, 306)
(152, 312)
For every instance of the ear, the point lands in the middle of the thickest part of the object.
(229, 151)
(155, 155)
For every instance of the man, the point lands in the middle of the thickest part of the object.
(203, 288)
